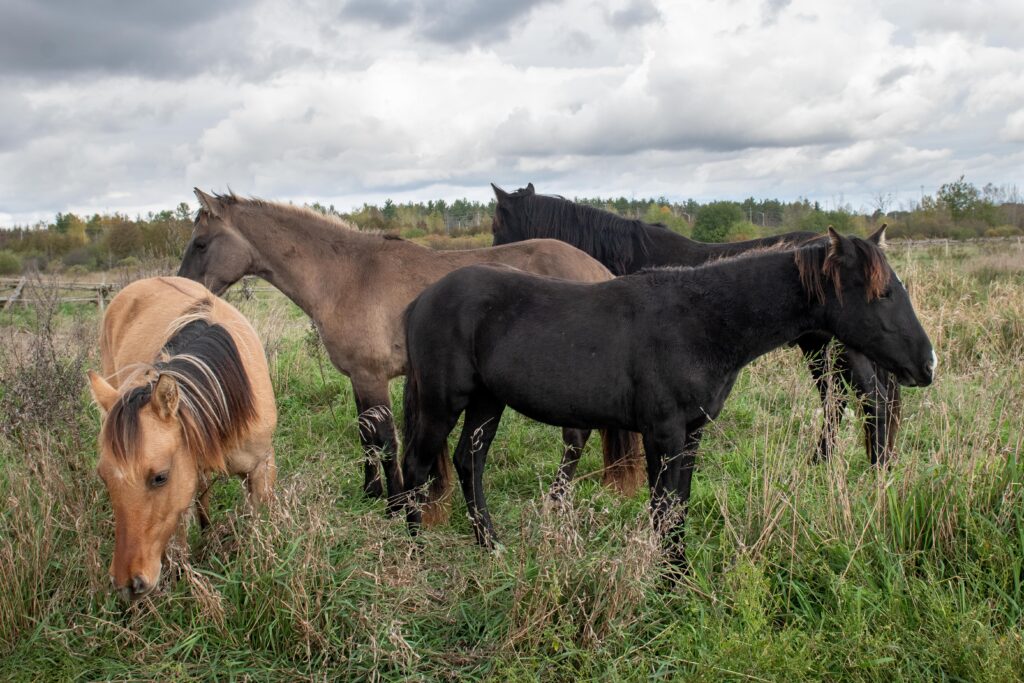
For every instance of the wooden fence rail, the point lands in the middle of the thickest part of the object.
(98, 293)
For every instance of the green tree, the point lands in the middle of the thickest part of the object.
(390, 211)
(124, 238)
(960, 198)
(715, 220)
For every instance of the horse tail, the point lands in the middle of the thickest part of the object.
(435, 506)
(625, 467)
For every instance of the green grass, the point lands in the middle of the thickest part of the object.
(800, 571)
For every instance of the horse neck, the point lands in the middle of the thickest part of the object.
(753, 306)
(298, 253)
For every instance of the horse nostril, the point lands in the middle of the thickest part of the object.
(139, 585)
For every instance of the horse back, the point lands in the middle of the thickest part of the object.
(144, 315)
(549, 257)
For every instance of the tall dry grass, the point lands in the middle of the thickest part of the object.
(838, 570)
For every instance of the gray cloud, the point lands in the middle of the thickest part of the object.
(636, 13)
(772, 8)
(455, 22)
(383, 13)
(64, 37)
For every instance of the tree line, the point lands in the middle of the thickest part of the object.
(958, 210)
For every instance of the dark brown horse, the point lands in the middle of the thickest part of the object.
(655, 352)
(355, 286)
(626, 246)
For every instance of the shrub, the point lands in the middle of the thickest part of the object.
(715, 220)
(82, 256)
(10, 264)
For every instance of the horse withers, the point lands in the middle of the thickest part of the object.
(656, 352)
(185, 394)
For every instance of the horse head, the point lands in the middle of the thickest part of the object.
(218, 255)
(508, 224)
(149, 473)
(866, 305)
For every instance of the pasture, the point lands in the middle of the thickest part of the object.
(800, 571)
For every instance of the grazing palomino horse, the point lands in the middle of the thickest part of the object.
(185, 393)
(626, 246)
(656, 352)
(355, 286)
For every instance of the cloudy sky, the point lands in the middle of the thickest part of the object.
(115, 105)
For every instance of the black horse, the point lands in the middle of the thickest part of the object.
(656, 352)
(626, 246)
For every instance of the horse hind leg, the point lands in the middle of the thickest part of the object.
(426, 469)
(482, 417)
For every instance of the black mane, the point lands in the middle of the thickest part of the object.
(613, 240)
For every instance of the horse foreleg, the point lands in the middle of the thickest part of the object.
(379, 440)
(575, 440)
(203, 503)
(670, 461)
(879, 396)
(259, 483)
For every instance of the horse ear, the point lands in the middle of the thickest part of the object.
(499, 193)
(102, 392)
(165, 397)
(529, 189)
(211, 204)
(878, 237)
(835, 243)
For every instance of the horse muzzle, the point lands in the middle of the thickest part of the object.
(137, 587)
(920, 376)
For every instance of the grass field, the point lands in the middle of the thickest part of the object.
(800, 571)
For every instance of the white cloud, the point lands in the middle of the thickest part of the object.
(702, 99)
(1013, 131)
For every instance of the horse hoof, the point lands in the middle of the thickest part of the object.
(553, 502)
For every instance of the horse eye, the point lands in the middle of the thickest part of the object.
(199, 246)
(158, 480)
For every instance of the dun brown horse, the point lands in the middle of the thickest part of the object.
(355, 286)
(186, 393)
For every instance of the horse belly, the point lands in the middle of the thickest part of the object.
(573, 386)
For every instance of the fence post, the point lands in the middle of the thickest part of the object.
(17, 292)
(99, 296)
